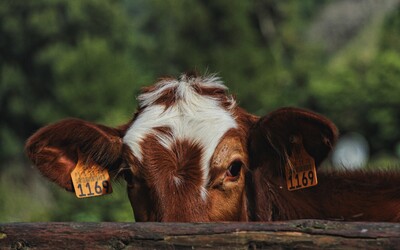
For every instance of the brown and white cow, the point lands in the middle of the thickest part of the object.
(191, 154)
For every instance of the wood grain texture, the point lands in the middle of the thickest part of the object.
(299, 234)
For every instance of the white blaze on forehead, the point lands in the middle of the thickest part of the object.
(193, 117)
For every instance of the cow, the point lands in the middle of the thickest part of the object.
(191, 154)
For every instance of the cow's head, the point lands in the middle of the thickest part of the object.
(188, 154)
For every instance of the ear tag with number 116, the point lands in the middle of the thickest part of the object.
(300, 169)
(90, 181)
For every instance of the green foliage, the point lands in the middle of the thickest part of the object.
(362, 95)
(22, 198)
(112, 207)
(30, 197)
(64, 58)
(91, 81)
(89, 58)
(61, 58)
(390, 36)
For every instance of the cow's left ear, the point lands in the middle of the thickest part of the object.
(271, 138)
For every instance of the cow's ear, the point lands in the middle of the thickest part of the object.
(55, 149)
(271, 138)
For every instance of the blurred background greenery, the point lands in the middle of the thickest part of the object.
(89, 59)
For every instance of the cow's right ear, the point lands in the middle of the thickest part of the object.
(272, 138)
(55, 149)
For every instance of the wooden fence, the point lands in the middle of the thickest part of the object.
(299, 234)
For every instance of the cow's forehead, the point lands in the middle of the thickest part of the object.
(190, 109)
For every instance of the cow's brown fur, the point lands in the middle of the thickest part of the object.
(246, 171)
(350, 196)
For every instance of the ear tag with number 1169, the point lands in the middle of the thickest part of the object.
(300, 168)
(90, 181)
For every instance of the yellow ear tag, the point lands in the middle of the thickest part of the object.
(300, 169)
(90, 181)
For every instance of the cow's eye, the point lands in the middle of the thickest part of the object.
(233, 170)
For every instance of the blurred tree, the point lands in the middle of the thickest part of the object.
(215, 36)
(256, 46)
(63, 58)
(60, 58)
(362, 94)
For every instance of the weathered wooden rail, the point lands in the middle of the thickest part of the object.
(300, 234)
